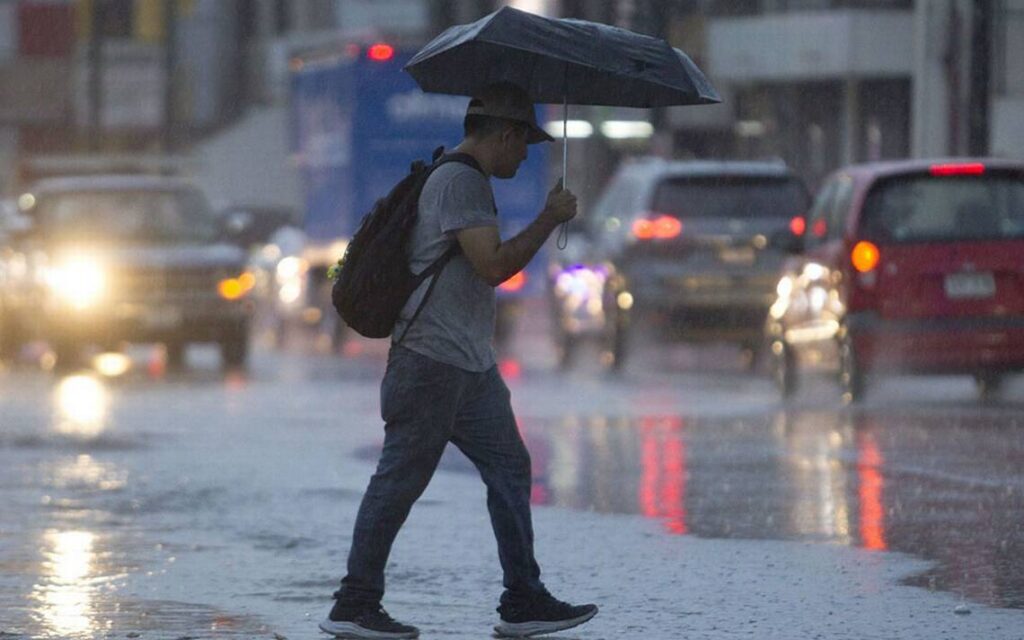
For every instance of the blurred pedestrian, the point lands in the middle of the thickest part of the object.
(442, 384)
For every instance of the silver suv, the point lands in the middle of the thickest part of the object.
(690, 249)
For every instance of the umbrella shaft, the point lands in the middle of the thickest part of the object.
(565, 143)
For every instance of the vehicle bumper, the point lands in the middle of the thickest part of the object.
(198, 321)
(728, 306)
(938, 345)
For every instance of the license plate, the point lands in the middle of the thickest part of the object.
(970, 285)
(737, 255)
(162, 318)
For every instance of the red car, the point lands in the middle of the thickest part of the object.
(913, 266)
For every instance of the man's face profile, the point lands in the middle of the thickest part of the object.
(514, 151)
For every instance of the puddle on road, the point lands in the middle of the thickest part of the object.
(942, 488)
(71, 583)
(122, 618)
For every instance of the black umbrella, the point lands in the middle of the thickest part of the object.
(560, 61)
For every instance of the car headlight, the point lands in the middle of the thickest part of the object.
(80, 282)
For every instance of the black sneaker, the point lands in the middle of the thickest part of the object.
(367, 623)
(541, 614)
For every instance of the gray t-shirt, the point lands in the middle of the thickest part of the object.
(456, 325)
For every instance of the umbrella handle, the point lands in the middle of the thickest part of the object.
(563, 233)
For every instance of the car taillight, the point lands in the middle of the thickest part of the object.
(865, 256)
(380, 52)
(798, 225)
(958, 169)
(657, 227)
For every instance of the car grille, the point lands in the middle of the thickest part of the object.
(164, 284)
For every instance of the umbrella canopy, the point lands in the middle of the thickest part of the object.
(560, 61)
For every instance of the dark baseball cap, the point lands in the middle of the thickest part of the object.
(508, 101)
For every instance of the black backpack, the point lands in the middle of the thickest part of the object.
(374, 281)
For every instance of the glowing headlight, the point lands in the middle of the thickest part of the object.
(80, 282)
(291, 267)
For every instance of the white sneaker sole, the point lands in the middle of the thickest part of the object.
(527, 629)
(353, 631)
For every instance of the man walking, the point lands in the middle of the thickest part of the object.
(442, 384)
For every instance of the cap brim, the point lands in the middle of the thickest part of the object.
(536, 134)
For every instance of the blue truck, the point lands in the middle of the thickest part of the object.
(357, 122)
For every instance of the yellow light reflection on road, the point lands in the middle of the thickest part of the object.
(82, 403)
(65, 594)
(85, 472)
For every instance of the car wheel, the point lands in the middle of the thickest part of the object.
(784, 369)
(988, 385)
(234, 348)
(10, 341)
(851, 375)
(175, 354)
(568, 347)
(750, 356)
(67, 353)
(620, 343)
(339, 335)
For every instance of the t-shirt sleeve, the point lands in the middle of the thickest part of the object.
(466, 201)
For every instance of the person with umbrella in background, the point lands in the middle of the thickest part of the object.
(442, 383)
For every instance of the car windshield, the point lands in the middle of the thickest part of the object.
(157, 216)
(946, 208)
(731, 197)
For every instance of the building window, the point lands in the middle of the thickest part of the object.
(115, 18)
(1009, 48)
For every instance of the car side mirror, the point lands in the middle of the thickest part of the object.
(235, 224)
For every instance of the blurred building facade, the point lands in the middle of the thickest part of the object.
(818, 83)
(823, 83)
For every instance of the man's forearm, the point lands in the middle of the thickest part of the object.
(515, 253)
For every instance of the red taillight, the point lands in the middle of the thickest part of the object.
(865, 256)
(798, 225)
(380, 52)
(958, 169)
(657, 227)
(515, 283)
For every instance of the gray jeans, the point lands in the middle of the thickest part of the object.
(425, 405)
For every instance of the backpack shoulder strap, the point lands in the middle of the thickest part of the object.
(461, 158)
(435, 268)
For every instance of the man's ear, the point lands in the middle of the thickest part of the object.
(507, 134)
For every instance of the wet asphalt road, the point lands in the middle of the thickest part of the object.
(103, 478)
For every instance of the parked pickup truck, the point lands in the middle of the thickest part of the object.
(106, 260)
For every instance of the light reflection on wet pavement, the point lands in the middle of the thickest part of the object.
(944, 489)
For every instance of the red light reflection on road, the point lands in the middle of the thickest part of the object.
(663, 464)
(538, 447)
(872, 513)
